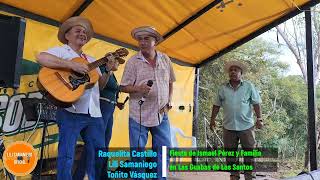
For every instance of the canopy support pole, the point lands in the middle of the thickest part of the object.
(311, 94)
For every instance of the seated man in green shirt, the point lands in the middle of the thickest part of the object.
(237, 97)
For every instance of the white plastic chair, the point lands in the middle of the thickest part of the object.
(174, 141)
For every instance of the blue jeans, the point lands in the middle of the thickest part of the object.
(107, 110)
(92, 132)
(160, 137)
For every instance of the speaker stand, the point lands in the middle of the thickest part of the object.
(42, 148)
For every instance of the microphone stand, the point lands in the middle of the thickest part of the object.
(140, 104)
(141, 101)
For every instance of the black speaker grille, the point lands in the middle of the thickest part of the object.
(12, 30)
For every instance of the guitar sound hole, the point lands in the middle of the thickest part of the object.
(77, 75)
(76, 79)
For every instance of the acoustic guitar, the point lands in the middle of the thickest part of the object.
(64, 86)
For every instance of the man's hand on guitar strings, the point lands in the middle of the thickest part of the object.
(78, 67)
(110, 64)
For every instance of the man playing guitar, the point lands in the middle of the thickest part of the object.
(84, 115)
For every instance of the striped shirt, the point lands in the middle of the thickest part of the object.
(137, 72)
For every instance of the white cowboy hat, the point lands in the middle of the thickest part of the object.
(147, 30)
(239, 64)
(75, 21)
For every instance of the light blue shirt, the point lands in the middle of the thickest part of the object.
(237, 105)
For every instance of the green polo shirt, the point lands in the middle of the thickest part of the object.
(237, 105)
(111, 90)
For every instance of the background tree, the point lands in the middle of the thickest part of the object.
(293, 35)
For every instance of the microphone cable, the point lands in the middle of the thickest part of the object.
(139, 126)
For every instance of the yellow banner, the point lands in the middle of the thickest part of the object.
(39, 37)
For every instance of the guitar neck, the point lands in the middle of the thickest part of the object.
(101, 61)
(97, 63)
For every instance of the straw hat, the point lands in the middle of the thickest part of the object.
(75, 21)
(147, 30)
(239, 64)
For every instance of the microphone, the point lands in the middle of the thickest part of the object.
(141, 101)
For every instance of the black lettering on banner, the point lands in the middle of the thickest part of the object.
(31, 83)
(3, 106)
(14, 120)
(3, 90)
(13, 115)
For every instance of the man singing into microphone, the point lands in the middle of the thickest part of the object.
(149, 64)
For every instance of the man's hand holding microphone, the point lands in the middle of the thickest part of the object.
(145, 89)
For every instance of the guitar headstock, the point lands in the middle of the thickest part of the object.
(111, 56)
(122, 52)
(118, 54)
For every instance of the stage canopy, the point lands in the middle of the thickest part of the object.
(195, 31)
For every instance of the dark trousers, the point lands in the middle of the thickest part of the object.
(247, 141)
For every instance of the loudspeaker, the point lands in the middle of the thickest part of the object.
(12, 30)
